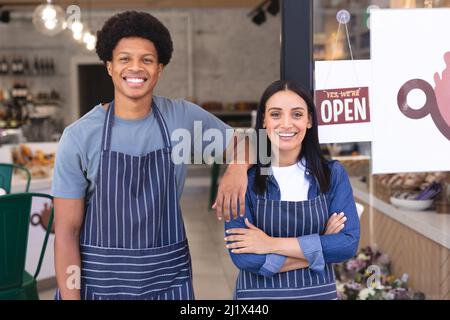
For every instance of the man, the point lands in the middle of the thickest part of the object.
(117, 214)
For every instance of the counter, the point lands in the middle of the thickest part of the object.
(430, 224)
(417, 242)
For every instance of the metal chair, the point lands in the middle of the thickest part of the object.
(15, 282)
(6, 173)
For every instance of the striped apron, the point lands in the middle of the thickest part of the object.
(289, 219)
(133, 243)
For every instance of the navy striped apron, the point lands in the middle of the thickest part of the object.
(133, 243)
(289, 219)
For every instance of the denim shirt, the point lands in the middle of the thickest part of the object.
(318, 249)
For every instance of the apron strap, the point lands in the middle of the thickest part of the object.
(162, 125)
(107, 127)
(109, 120)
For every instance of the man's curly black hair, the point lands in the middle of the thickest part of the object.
(134, 24)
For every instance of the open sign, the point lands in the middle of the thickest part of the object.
(343, 106)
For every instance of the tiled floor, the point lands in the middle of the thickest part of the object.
(213, 272)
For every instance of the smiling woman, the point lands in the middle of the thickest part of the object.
(300, 217)
(286, 120)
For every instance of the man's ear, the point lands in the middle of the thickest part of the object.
(160, 69)
(109, 68)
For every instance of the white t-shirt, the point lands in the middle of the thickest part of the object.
(293, 184)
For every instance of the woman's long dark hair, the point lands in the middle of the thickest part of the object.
(315, 161)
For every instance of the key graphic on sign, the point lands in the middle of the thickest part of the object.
(437, 100)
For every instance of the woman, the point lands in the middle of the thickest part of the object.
(294, 226)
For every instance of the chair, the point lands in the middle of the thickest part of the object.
(6, 173)
(15, 282)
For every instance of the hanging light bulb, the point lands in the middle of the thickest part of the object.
(90, 42)
(87, 37)
(50, 24)
(49, 13)
(77, 30)
(90, 46)
(77, 27)
(77, 36)
(49, 19)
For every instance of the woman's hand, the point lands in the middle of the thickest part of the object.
(254, 240)
(251, 240)
(336, 223)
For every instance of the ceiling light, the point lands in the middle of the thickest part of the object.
(90, 46)
(5, 16)
(76, 27)
(77, 36)
(274, 7)
(49, 19)
(259, 18)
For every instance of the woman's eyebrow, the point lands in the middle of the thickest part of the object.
(293, 109)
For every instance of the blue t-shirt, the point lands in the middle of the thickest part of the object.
(78, 155)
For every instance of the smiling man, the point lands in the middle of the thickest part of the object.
(117, 191)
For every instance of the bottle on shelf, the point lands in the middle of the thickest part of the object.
(46, 66)
(19, 91)
(4, 116)
(26, 67)
(52, 67)
(4, 67)
(42, 66)
(20, 65)
(37, 69)
(14, 65)
(3, 109)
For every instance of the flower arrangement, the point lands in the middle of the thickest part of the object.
(367, 276)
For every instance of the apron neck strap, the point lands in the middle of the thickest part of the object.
(162, 125)
(107, 127)
(109, 121)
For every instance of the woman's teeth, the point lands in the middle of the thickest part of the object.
(287, 135)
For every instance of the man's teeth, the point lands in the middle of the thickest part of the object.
(135, 80)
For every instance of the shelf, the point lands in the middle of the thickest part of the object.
(230, 113)
(32, 75)
(30, 48)
(38, 102)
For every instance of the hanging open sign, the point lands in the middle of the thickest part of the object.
(344, 111)
(343, 106)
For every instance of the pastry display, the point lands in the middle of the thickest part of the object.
(355, 166)
(39, 163)
(408, 185)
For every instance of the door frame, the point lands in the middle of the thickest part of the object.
(75, 62)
